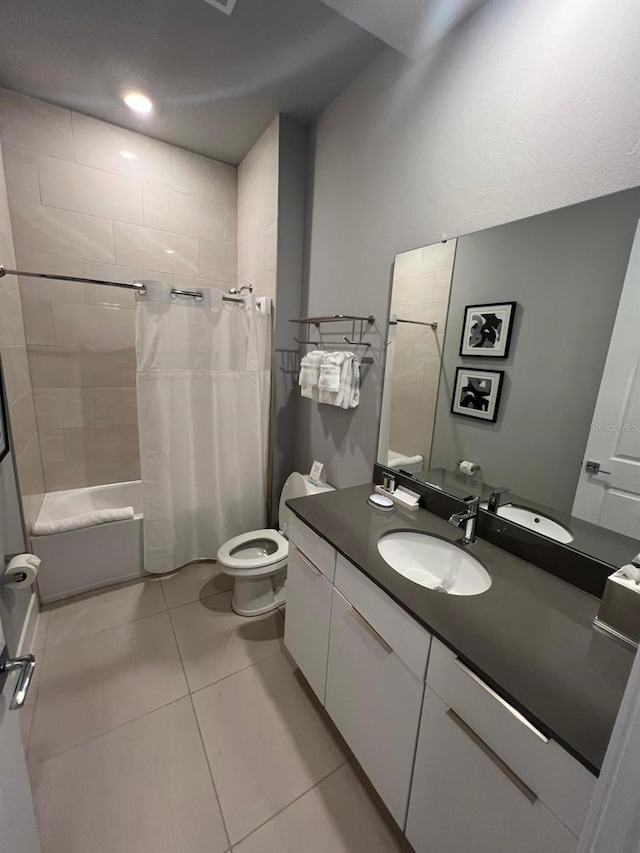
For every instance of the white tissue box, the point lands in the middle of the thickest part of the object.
(619, 614)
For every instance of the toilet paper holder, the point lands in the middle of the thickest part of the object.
(13, 576)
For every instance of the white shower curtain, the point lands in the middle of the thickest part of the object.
(203, 386)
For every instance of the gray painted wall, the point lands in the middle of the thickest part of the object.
(506, 118)
(565, 269)
(292, 180)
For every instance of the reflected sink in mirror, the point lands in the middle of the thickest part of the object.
(533, 521)
(434, 563)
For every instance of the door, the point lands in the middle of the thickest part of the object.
(18, 833)
(464, 799)
(608, 492)
(306, 626)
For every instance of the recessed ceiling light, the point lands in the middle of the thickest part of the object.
(170, 251)
(138, 101)
(128, 155)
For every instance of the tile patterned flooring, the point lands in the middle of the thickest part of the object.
(161, 722)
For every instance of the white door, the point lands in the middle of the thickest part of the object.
(608, 492)
(18, 833)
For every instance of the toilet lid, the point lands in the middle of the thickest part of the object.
(256, 549)
(295, 487)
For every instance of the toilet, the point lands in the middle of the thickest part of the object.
(258, 559)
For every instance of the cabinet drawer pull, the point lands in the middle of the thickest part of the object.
(525, 790)
(309, 564)
(520, 717)
(370, 629)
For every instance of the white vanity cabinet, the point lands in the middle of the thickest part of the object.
(465, 800)
(308, 616)
(486, 780)
(375, 683)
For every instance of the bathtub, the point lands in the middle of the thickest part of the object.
(80, 560)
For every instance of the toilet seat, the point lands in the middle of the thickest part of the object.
(230, 555)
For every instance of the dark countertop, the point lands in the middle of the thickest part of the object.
(529, 636)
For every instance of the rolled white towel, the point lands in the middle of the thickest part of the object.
(330, 371)
(309, 371)
(87, 519)
(354, 394)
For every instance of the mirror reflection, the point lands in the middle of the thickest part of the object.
(532, 374)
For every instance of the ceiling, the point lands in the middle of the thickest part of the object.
(216, 80)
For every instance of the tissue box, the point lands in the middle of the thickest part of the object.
(619, 614)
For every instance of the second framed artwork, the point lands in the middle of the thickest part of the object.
(487, 328)
(477, 393)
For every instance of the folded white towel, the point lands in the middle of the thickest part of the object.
(87, 519)
(348, 394)
(330, 371)
(309, 372)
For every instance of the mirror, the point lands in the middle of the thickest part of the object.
(532, 373)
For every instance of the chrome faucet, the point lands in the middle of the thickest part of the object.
(495, 497)
(470, 517)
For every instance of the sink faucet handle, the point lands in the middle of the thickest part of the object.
(500, 490)
(494, 498)
(472, 501)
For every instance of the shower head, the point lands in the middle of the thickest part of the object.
(238, 290)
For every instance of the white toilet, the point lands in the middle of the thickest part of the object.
(258, 559)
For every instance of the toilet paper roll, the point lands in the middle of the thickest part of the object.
(468, 467)
(27, 563)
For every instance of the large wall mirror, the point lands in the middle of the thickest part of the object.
(518, 349)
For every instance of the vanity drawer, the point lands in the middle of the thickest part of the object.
(560, 781)
(409, 641)
(314, 547)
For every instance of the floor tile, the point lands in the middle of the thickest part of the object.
(143, 788)
(336, 816)
(91, 685)
(266, 742)
(214, 642)
(95, 611)
(198, 580)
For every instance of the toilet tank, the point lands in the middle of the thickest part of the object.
(296, 486)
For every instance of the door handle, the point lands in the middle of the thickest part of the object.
(368, 627)
(592, 467)
(309, 564)
(26, 665)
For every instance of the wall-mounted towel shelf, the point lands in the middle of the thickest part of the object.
(358, 330)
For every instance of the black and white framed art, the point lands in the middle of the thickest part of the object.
(487, 328)
(476, 393)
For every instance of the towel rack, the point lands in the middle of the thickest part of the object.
(359, 327)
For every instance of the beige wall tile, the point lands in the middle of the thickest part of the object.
(11, 323)
(115, 406)
(63, 407)
(270, 246)
(230, 224)
(17, 365)
(138, 246)
(97, 294)
(100, 144)
(96, 473)
(251, 258)
(197, 175)
(93, 327)
(31, 479)
(54, 291)
(85, 190)
(86, 445)
(218, 261)
(62, 367)
(407, 264)
(438, 256)
(38, 322)
(35, 125)
(22, 418)
(185, 282)
(21, 169)
(61, 232)
(52, 446)
(194, 216)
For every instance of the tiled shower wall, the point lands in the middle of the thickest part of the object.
(258, 213)
(90, 199)
(421, 285)
(15, 367)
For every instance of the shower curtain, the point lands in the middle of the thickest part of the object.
(203, 384)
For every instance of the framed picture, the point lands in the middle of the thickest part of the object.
(476, 393)
(487, 329)
(4, 432)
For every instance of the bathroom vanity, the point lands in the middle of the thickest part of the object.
(481, 720)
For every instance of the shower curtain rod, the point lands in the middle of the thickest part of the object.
(196, 294)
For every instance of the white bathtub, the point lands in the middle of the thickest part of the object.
(80, 560)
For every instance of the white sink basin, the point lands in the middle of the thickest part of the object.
(534, 521)
(434, 563)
